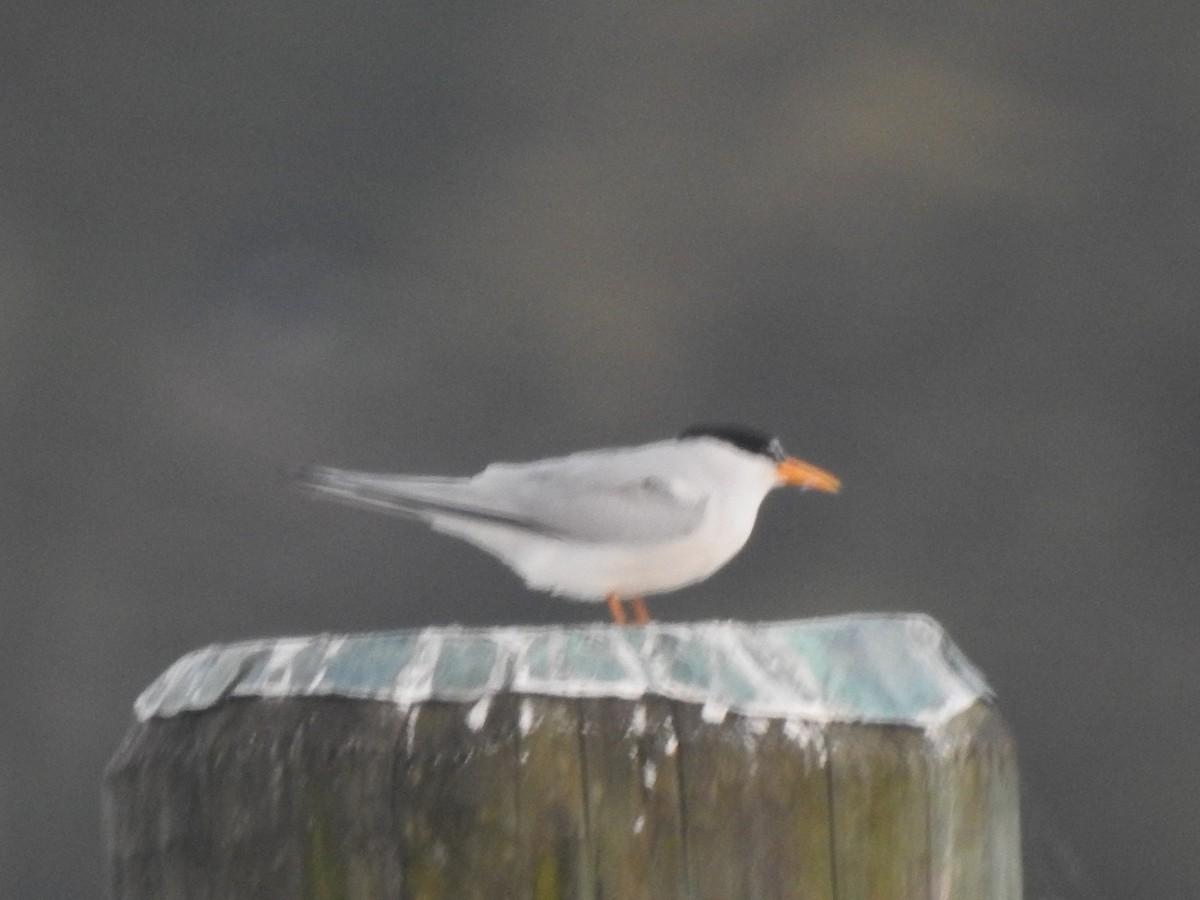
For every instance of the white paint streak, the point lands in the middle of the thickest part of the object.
(714, 712)
(526, 718)
(477, 716)
(410, 728)
(637, 721)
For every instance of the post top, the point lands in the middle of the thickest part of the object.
(898, 668)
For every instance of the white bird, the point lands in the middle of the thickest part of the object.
(602, 524)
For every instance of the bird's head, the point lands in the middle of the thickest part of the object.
(788, 469)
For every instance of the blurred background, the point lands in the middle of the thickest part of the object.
(947, 251)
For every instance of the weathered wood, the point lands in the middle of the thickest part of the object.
(257, 799)
(880, 802)
(755, 805)
(456, 804)
(974, 819)
(552, 816)
(477, 789)
(631, 757)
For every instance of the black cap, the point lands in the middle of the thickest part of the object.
(749, 439)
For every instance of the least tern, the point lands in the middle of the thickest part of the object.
(611, 524)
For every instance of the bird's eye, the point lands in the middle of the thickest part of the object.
(775, 448)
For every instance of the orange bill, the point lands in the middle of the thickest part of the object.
(804, 475)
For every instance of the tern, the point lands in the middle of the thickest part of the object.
(600, 525)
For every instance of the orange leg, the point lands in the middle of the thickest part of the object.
(640, 614)
(616, 609)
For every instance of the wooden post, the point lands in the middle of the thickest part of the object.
(834, 759)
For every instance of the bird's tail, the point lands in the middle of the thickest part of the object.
(407, 495)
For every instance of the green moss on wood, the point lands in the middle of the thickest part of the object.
(324, 864)
(546, 883)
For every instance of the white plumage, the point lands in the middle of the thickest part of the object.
(601, 524)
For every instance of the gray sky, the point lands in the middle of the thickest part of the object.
(947, 252)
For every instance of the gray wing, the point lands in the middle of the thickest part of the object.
(555, 498)
(595, 504)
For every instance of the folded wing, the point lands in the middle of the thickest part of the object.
(595, 503)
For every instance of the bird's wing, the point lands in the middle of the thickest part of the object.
(594, 502)
(639, 494)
